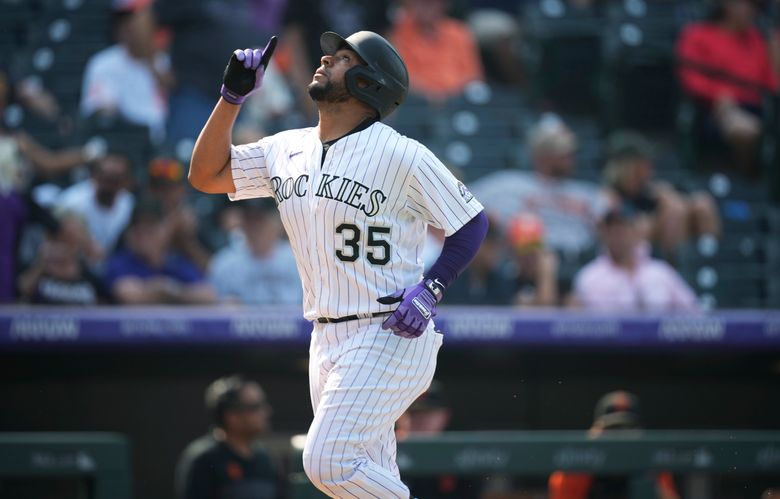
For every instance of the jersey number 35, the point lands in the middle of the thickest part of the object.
(377, 252)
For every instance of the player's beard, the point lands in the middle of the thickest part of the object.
(328, 92)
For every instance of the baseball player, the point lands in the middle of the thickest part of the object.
(355, 198)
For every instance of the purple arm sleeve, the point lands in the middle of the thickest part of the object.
(459, 249)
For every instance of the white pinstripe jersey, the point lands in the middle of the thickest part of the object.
(356, 218)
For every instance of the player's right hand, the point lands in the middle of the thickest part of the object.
(244, 72)
(417, 307)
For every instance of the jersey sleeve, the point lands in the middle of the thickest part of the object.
(436, 196)
(250, 173)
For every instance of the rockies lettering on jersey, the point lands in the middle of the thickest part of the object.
(355, 212)
(285, 189)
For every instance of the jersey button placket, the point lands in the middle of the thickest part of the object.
(319, 159)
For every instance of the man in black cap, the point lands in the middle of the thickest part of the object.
(615, 411)
(227, 463)
(429, 416)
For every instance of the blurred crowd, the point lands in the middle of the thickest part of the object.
(97, 209)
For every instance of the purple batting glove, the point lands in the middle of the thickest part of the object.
(417, 307)
(244, 73)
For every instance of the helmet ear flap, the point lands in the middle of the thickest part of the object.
(364, 77)
(365, 85)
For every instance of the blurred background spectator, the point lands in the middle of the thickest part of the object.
(258, 266)
(30, 93)
(228, 462)
(131, 78)
(440, 52)
(22, 161)
(25, 93)
(512, 267)
(59, 275)
(46, 164)
(430, 413)
(534, 268)
(669, 217)
(496, 30)
(725, 68)
(14, 214)
(104, 201)
(770, 493)
(615, 411)
(168, 188)
(624, 277)
(428, 417)
(568, 207)
(145, 270)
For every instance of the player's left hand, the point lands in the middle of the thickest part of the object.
(417, 307)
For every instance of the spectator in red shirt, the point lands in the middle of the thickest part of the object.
(725, 67)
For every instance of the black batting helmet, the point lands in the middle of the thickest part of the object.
(385, 71)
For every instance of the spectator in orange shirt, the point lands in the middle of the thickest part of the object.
(440, 52)
(725, 67)
(618, 410)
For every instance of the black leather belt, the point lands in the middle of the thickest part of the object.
(331, 320)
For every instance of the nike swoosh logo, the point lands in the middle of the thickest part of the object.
(295, 153)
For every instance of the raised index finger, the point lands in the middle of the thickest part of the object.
(268, 51)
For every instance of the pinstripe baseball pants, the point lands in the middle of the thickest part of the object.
(362, 378)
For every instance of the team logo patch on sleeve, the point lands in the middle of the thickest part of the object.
(465, 192)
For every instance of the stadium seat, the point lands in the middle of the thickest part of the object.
(563, 54)
(638, 83)
(773, 255)
(414, 118)
(477, 155)
(121, 137)
(14, 21)
(729, 273)
(59, 41)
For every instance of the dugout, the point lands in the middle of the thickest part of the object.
(706, 464)
(64, 466)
